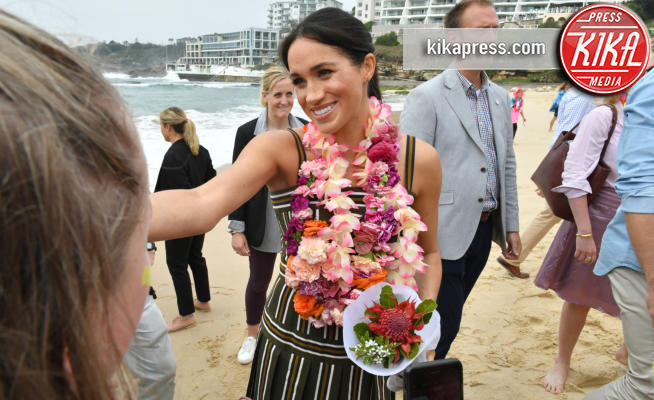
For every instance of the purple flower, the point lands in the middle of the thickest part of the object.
(295, 224)
(302, 180)
(393, 176)
(373, 217)
(388, 215)
(373, 180)
(299, 203)
(291, 247)
(315, 289)
(384, 236)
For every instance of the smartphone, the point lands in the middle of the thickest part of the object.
(434, 380)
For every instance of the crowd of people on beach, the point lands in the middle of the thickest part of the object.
(329, 195)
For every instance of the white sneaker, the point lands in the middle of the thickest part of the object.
(246, 352)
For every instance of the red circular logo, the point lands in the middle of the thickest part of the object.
(604, 48)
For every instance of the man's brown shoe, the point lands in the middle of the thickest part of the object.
(513, 270)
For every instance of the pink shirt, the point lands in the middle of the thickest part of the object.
(516, 112)
(585, 151)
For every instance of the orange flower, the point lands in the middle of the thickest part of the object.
(306, 306)
(312, 227)
(365, 283)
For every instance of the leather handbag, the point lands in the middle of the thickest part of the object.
(548, 175)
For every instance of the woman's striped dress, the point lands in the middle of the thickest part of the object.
(295, 360)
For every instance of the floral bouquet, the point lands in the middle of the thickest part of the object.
(384, 331)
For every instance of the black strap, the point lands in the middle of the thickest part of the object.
(409, 160)
(302, 155)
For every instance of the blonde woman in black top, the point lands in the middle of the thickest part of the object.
(186, 165)
(254, 228)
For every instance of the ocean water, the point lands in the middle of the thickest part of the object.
(216, 108)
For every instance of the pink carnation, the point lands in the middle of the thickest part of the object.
(302, 190)
(377, 168)
(305, 271)
(291, 279)
(364, 266)
(366, 237)
(382, 151)
(303, 214)
(315, 167)
(312, 249)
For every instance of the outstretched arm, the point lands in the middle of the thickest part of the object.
(183, 213)
(427, 188)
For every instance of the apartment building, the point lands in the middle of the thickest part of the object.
(368, 10)
(409, 12)
(253, 46)
(282, 14)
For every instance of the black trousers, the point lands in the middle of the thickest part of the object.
(180, 254)
(459, 277)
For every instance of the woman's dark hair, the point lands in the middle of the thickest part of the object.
(337, 28)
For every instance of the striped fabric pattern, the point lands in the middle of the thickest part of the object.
(294, 359)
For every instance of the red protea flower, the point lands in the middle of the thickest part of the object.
(398, 323)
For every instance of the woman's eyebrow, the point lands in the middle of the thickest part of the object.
(315, 67)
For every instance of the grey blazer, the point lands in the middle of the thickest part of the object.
(438, 112)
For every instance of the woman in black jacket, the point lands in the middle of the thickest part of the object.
(254, 228)
(186, 165)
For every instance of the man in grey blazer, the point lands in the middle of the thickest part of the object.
(467, 119)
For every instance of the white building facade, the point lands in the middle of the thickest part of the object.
(367, 10)
(409, 12)
(253, 46)
(282, 14)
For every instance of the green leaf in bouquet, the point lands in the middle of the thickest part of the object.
(426, 306)
(415, 347)
(369, 255)
(426, 318)
(362, 331)
(371, 314)
(386, 298)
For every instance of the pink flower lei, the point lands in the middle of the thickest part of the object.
(329, 265)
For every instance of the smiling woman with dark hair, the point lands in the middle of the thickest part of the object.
(332, 184)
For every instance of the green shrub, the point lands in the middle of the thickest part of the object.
(389, 39)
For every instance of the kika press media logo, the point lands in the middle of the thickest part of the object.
(604, 48)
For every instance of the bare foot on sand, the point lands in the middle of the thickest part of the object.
(622, 355)
(554, 382)
(202, 305)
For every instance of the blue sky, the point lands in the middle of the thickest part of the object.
(148, 20)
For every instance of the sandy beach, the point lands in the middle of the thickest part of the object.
(508, 337)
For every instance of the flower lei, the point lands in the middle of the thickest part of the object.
(329, 265)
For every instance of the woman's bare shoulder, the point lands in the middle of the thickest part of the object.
(275, 138)
(426, 155)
